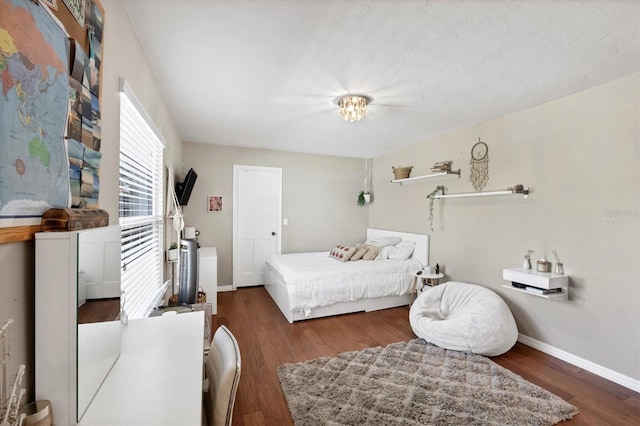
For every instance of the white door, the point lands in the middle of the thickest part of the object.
(99, 255)
(257, 211)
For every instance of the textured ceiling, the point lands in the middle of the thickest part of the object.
(266, 73)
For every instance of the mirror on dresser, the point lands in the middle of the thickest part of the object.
(77, 324)
(98, 309)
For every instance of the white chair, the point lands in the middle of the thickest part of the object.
(222, 367)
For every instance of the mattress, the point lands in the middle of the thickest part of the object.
(314, 279)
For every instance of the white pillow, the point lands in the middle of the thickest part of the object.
(384, 252)
(384, 241)
(402, 251)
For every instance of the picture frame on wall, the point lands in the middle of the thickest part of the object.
(214, 203)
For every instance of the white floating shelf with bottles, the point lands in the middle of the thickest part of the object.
(543, 284)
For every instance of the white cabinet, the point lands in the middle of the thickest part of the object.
(542, 284)
(158, 377)
(73, 359)
(208, 275)
(56, 357)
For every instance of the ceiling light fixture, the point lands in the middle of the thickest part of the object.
(353, 107)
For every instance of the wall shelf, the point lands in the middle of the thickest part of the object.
(518, 190)
(454, 174)
(536, 282)
(562, 295)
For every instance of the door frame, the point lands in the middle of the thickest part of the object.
(236, 169)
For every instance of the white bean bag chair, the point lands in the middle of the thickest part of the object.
(464, 317)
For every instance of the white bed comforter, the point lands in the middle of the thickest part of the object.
(314, 279)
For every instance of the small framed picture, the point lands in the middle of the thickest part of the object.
(214, 203)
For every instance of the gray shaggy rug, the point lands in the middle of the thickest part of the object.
(415, 383)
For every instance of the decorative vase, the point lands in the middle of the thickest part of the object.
(367, 197)
(38, 413)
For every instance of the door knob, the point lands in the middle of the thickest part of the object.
(273, 233)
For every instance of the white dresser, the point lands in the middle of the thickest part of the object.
(208, 275)
(71, 359)
(158, 378)
(150, 375)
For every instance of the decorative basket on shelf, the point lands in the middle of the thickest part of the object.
(200, 298)
(173, 300)
(401, 172)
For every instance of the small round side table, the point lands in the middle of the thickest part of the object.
(432, 279)
(420, 279)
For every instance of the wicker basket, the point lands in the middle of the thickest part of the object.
(200, 298)
(173, 300)
(401, 172)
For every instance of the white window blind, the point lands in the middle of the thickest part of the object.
(140, 209)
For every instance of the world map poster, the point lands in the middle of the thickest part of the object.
(34, 99)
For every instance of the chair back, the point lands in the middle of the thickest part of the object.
(222, 366)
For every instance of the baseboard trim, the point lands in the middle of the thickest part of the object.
(222, 288)
(592, 367)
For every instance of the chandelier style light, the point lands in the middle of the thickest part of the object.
(353, 107)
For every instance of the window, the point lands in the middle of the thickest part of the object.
(140, 209)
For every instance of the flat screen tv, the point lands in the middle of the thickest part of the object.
(184, 188)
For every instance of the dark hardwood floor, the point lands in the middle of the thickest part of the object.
(99, 310)
(267, 340)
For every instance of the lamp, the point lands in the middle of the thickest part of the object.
(353, 107)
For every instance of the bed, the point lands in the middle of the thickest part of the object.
(313, 285)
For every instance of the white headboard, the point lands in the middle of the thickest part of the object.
(421, 252)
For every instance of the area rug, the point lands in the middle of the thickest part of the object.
(415, 383)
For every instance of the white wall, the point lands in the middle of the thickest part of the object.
(580, 156)
(319, 195)
(123, 57)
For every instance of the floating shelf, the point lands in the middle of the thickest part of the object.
(554, 296)
(538, 281)
(524, 192)
(454, 174)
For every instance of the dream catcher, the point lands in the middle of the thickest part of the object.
(479, 165)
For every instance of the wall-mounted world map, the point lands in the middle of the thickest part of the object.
(34, 98)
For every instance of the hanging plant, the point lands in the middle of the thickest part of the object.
(365, 195)
(431, 200)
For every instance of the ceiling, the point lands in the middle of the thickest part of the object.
(266, 73)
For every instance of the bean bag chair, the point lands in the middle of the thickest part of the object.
(464, 317)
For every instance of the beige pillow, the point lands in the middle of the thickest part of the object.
(372, 253)
(342, 252)
(361, 249)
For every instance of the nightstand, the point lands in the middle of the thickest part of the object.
(420, 279)
(432, 280)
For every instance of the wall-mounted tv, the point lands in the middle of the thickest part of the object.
(184, 188)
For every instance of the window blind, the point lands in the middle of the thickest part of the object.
(140, 210)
